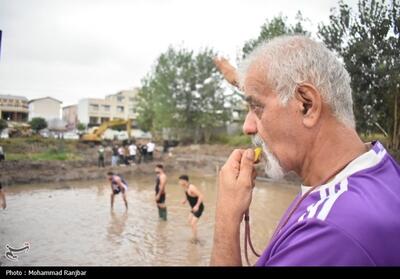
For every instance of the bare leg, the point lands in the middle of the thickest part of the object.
(112, 201)
(193, 223)
(125, 200)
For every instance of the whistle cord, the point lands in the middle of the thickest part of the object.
(247, 238)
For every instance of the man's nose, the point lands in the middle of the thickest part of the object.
(249, 125)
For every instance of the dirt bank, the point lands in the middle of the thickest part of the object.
(203, 159)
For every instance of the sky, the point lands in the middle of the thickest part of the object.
(70, 49)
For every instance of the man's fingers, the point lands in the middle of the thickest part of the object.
(246, 168)
(232, 165)
(254, 176)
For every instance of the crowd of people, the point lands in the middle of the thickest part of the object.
(127, 154)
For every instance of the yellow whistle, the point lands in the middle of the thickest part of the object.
(257, 154)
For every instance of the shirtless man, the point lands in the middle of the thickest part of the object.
(118, 184)
(195, 199)
(161, 181)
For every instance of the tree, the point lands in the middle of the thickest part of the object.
(183, 94)
(369, 43)
(3, 124)
(276, 27)
(38, 123)
(81, 127)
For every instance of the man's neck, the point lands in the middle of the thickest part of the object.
(334, 148)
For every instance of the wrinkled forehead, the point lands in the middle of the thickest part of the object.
(254, 80)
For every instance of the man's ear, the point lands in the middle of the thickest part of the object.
(310, 103)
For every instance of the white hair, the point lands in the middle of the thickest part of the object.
(289, 61)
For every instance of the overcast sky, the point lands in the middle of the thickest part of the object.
(70, 49)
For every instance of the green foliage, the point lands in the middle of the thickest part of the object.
(38, 123)
(369, 43)
(81, 127)
(50, 155)
(276, 27)
(183, 94)
(232, 140)
(37, 148)
(3, 124)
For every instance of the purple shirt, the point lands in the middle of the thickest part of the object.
(352, 220)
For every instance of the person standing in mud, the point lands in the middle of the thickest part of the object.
(195, 199)
(132, 152)
(114, 156)
(121, 155)
(100, 152)
(118, 185)
(161, 181)
(2, 157)
(150, 150)
(143, 151)
(2, 197)
(139, 153)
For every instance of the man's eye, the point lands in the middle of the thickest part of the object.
(256, 109)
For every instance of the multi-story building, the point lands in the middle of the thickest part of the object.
(122, 105)
(14, 108)
(47, 108)
(70, 116)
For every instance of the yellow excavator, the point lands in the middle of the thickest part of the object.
(95, 135)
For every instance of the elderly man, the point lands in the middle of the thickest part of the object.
(301, 111)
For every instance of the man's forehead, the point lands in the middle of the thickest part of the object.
(255, 81)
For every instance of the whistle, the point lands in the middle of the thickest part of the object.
(257, 154)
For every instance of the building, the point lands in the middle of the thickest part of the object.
(93, 112)
(47, 108)
(14, 108)
(70, 116)
(122, 105)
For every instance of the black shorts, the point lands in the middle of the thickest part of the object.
(162, 198)
(116, 191)
(199, 212)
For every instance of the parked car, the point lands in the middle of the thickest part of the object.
(71, 135)
(5, 134)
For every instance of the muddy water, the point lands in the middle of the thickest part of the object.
(71, 223)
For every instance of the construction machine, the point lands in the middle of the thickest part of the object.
(95, 135)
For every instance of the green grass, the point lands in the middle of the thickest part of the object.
(36, 148)
(50, 155)
(234, 140)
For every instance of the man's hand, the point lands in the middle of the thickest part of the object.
(227, 70)
(236, 182)
(195, 209)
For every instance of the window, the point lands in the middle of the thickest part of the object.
(93, 120)
(131, 99)
(106, 108)
(120, 109)
(120, 98)
(94, 107)
(132, 110)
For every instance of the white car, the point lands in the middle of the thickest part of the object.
(4, 134)
(71, 135)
